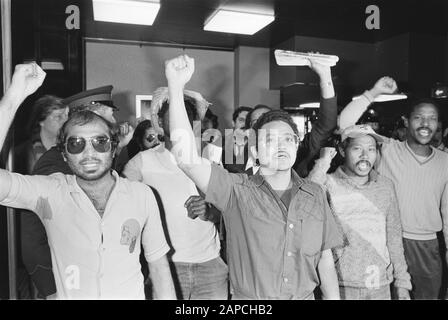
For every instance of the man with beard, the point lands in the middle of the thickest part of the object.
(366, 209)
(280, 229)
(420, 174)
(93, 218)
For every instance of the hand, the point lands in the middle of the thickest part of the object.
(126, 133)
(328, 153)
(178, 71)
(385, 85)
(402, 294)
(196, 207)
(27, 78)
(323, 71)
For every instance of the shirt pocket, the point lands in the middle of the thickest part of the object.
(311, 228)
(311, 236)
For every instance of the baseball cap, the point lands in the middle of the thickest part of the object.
(360, 130)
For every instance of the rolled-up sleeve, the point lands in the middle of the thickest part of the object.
(153, 237)
(26, 191)
(221, 186)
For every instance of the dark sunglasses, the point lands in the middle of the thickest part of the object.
(150, 138)
(76, 145)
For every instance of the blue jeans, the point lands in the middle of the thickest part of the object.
(202, 281)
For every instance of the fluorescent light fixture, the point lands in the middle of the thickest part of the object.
(49, 65)
(387, 97)
(309, 105)
(237, 22)
(126, 11)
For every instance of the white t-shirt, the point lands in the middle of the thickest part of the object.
(193, 240)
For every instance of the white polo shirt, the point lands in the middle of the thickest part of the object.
(193, 240)
(93, 257)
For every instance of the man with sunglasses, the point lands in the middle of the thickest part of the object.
(99, 101)
(280, 229)
(94, 218)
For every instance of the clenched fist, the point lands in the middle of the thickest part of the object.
(385, 85)
(178, 71)
(27, 78)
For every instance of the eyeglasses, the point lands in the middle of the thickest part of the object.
(76, 145)
(150, 138)
(273, 140)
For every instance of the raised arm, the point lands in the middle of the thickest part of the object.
(178, 72)
(25, 81)
(328, 111)
(354, 110)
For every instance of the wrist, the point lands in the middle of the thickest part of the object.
(369, 96)
(13, 97)
(173, 85)
(374, 92)
(326, 81)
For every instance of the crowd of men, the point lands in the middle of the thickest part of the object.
(163, 212)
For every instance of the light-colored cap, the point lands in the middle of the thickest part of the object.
(360, 130)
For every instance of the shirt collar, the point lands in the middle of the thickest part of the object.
(258, 179)
(75, 188)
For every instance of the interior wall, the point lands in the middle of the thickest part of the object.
(138, 69)
(392, 58)
(252, 78)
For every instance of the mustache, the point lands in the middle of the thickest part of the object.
(84, 161)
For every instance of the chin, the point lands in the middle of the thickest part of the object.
(424, 141)
(92, 176)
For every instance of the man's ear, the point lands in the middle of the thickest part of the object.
(63, 156)
(233, 123)
(341, 151)
(406, 121)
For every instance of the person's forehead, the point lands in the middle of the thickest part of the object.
(90, 129)
(277, 127)
(365, 139)
(425, 108)
(242, 114)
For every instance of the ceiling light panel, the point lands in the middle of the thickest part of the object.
(126, 11)
(237, 22)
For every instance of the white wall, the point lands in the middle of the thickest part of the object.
(134, 69)
(252, 78)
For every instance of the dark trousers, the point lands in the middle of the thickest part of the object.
(425, 267)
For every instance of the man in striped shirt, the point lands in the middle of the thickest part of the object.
(420, 175)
